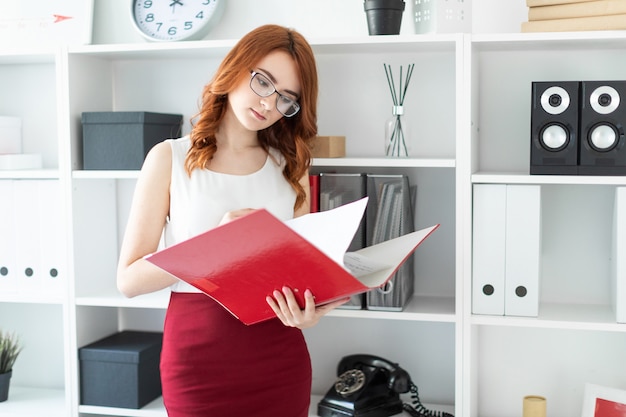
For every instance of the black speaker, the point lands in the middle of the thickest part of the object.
(554, 128)
(602, 118)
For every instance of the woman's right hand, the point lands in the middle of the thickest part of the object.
(232, 215)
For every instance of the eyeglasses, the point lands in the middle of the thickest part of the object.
(263, 87)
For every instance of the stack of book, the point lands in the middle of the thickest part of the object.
(575, 15)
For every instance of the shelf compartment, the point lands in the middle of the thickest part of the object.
(39, 369)
(511, 362)
(426, 350)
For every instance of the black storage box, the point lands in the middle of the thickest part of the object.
(121, 140)
(121, 370)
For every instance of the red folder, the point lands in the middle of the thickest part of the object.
(239, 263)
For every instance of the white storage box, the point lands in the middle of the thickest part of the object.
(10, 135)
(20, 161)
(443, 16)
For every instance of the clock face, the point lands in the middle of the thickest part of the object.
(176, 20)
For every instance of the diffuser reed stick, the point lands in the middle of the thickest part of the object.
(396, 132)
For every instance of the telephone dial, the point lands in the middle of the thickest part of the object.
(370, 386)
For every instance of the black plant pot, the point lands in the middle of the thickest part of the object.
(5, 379)
(384, 17)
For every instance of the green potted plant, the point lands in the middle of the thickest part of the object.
(10, 348)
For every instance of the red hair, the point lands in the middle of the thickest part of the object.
(289, 135)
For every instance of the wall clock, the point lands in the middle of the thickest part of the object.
(176, 20)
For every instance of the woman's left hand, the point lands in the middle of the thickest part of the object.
(289, 312)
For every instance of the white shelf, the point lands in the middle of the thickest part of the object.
(549, 41)
(27, 56)
(158, 300)
(195, 49)
(28, 402)
(431, 309)
(316, 162)
(385, 162)
(526, 178)
(152, 409)
(105, 174)
(29, 297)
(560, 316)
(30, 174)
(156, 409)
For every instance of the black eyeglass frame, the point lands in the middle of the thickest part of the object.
(293, 104)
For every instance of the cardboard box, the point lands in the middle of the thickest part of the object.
(121, 370)
(329, 147)
(121, 140)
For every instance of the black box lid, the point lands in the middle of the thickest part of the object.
(124, 347)
(122, 117)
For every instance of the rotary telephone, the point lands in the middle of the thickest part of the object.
(370, 386)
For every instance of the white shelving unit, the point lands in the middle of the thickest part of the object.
(469, 107)
(575, 339)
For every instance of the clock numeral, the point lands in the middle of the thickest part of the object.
(172, 30)
(188, 25)
(147, 4)
(200, 15)
(149, 17)
(206, 2)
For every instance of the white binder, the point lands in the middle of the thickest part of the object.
(618, 257)
(27, 226)
(522, 250)
(488, 267)
(52, 237)
(8, 254)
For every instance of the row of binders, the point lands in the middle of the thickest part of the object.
(389, 214)
(574, 15)
(33, 252)
(507, 251)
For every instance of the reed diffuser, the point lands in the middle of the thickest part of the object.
(396, 131)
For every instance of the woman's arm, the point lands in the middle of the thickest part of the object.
(147, 218)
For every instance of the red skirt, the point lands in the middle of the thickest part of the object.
(212, 365)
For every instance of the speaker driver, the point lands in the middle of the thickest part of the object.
(555, 100)
(554, 137)
(604, 99)
(603, 137)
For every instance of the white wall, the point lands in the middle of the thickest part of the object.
(313, 18)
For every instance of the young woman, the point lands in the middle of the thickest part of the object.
(248, 149)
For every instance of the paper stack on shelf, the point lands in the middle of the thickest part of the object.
(575, 15)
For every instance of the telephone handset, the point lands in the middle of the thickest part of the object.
(370, 386)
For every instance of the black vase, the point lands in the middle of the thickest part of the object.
(384, 17)
(5, 379)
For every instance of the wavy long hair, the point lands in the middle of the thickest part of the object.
(291, 136)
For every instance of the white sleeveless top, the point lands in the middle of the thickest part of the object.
(198, 203)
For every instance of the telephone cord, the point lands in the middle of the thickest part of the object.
(418, 409)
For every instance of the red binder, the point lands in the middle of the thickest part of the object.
(239, 263)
